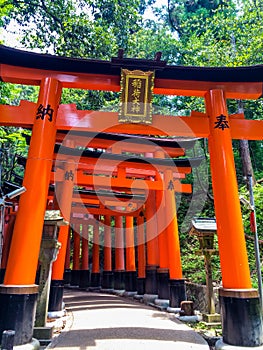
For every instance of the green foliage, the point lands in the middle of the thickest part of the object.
(77, 28)
(190, 16)
(12, 94)
(9, 93)
(12, 143)
(89, 99)
(12, 139)
(5, 9)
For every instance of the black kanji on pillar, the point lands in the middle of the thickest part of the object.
(45, 111)
(69, 175)
(221, 122)
(170, 185)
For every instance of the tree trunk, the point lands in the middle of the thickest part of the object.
(247, 167)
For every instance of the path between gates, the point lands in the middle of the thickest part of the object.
(108, 322)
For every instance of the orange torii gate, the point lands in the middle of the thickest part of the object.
(132, 166)
(215, 85)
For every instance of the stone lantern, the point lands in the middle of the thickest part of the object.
(205, 229)
(48, 253)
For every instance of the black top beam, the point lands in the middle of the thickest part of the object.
(178, 162)
(27, 59)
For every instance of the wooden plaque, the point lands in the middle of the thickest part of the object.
(136, 96)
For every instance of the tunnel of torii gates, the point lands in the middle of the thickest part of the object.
(128, 172)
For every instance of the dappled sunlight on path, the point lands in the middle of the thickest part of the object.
(108, 322)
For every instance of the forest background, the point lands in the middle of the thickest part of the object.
(187, 32)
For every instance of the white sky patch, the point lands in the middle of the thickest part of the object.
(11, 36)
(149, 11)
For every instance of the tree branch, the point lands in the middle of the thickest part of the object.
(55, 18)
(176, 28)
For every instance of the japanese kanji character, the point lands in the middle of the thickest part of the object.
(221, 123)
(42, 112)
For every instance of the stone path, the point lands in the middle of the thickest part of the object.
(107, 322)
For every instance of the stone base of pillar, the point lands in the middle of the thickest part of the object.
(220, 345)
(151, 280)
(44, 334)
(241, 317)
(149, 299)
(95, 280)
(107, 280)
(130, 281)
(2, 275)
(33, 345)
(18, 309)
(84, 279)
(119, 282)
(141, 286)
(177, 292)
(55, 303)
(75, 277)
(163, 283)
(67, 276)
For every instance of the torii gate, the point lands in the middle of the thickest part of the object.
(123, 176)
(121, 169)
(242, 320)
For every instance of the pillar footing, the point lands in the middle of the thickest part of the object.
(241, 317)
(95, 281)
(162, 303)
(33, 345)
(163, 283)
(55, 303)
(149, 298)
(141, 285)
(44, 334)
(130, 281)
(84, 279)
(67, 276)
(75, 278)
(220, 345)
(177, 292)
(107, 280)
(56, 314)
(129, 294)
(119, 283)
(18, 309)
(151, 280)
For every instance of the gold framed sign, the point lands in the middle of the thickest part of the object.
(136, 96)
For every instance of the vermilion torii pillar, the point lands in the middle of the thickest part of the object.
(119, 283)
(95, 273)
(19, 291)
(151, 245)
(162, 271)
(84, 272)
(63, 191)
(177, 283)
(75, 273)
(240, 306)
(107, 275)
(67, 269)
(141, 255)
(130, 273)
